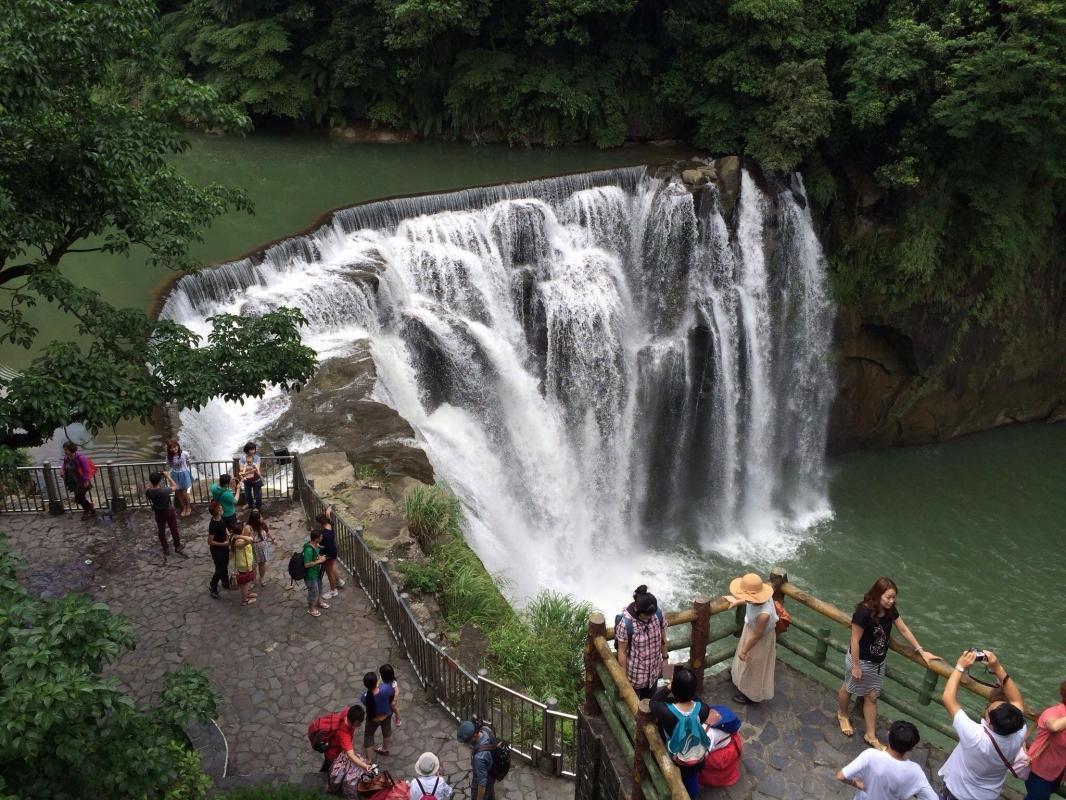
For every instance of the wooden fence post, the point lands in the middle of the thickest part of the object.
(640, 747)
(593, 684)
(821, 647)
(701, 632)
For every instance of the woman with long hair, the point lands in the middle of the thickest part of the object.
(262, 540)
(180, 468)
(377, 698)
(864, 663)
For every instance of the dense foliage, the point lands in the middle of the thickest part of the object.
(943, 123)
(68, 732)
(90, 118)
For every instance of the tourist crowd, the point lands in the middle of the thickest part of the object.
(988, 750)
(703, 739)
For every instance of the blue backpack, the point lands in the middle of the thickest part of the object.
(629, 623)
(689, 743)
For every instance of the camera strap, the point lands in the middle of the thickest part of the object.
(999, 752)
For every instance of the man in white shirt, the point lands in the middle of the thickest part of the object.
(978, 766)
(887, 774)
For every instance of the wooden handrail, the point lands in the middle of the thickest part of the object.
(941, 668)
(718, 605)
(651, 732)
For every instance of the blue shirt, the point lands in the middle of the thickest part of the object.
(382, 701)
(481, 761)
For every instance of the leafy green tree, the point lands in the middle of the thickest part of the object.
(90, 118)
(65, 730)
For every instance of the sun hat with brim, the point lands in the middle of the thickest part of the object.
(428, 764)
(751, 588)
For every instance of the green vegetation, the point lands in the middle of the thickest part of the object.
(90, 119)
(537, 649)
(270, 793)
(933, 135)
(69, 732)
(370, 472)
(431, 513)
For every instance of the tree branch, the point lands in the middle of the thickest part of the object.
(13, 273)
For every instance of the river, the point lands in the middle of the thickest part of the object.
(971, 529)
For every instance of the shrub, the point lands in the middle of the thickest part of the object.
(269, 793)
(420, 576)
(191, 782)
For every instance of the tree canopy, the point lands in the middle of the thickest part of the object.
(942, 124)
(91, 116)
(65, 730)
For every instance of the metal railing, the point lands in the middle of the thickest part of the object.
(538, 732)
(119, 486)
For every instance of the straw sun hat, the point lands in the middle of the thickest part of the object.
(750, 588)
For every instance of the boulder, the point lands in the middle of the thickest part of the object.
(727, 170)
(694, 177)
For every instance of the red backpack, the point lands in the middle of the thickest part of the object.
(90, 470)
(320, 732)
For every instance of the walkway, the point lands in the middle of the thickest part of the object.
(274, 667)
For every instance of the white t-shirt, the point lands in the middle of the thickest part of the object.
(423, 786)
(888, 778)
(752, 612)
(974, 771)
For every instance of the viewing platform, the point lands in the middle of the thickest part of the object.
(275, 668)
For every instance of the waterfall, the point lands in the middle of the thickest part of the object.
(600, 366)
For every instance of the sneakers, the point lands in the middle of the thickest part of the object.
(341, 583)
(214, 593)
(181, 551)
(330, 594)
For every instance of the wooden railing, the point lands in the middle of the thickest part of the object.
(905, 689)
(608, 694)
(653, 776)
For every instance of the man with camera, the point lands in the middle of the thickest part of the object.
(980, 762)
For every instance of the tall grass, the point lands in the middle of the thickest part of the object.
(432, 513)
(537, 650)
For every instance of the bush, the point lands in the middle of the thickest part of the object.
(77, 734)
(191, 782)
(420, 577)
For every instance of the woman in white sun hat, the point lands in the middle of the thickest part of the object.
(753, 664)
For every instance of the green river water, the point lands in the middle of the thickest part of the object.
(972, 530)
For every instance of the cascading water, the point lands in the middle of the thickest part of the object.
(600, 366)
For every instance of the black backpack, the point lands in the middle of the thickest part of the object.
(297, 570)
(500, 749)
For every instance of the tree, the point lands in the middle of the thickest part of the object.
(68, 732)
(90, 118)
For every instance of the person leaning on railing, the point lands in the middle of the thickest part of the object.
(978, 766)
(753, 665)
(864, 663)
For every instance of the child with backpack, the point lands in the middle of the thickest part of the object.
(681, 717)
(428, 785)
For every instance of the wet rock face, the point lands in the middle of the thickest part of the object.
(335, 407)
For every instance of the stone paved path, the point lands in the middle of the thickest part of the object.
(274, 667)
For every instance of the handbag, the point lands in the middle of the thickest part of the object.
(722, 765)
(374, 782)
(1020, 767)
(344, 777)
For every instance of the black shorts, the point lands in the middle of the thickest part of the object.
(374, 724)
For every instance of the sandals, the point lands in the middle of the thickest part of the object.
(872, 741)
(323, 605)
(845, 725)
(314, 612)
(381, 751)
(248, 602)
